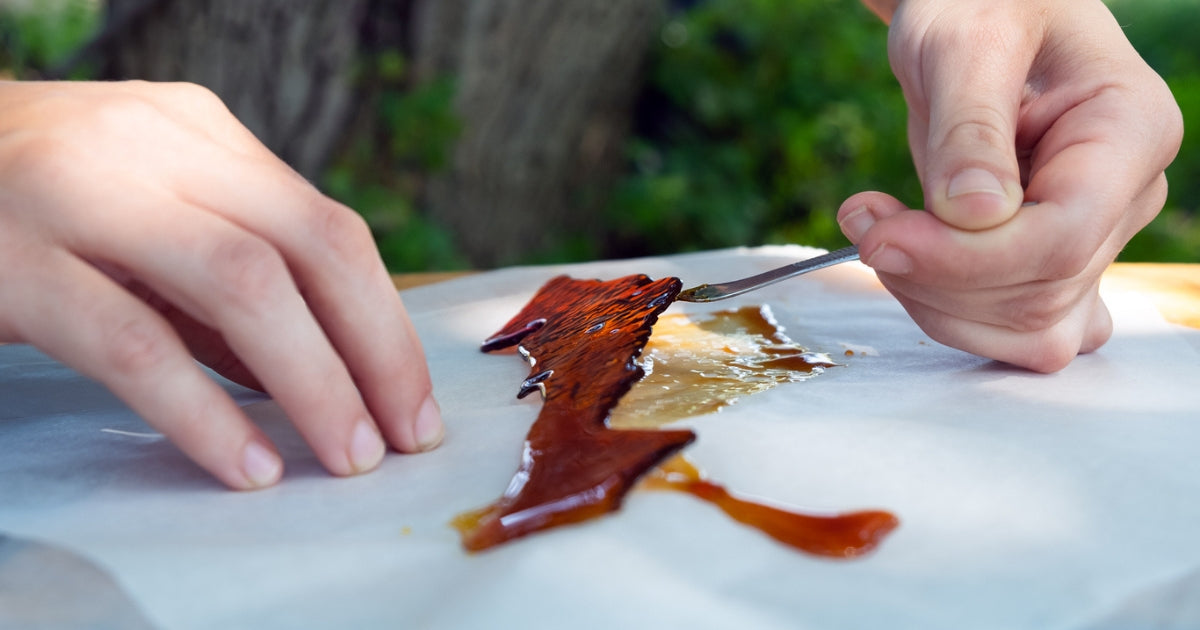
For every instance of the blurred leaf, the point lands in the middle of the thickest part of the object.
(38, 38)
(762, 116)
(383, 170)
(1163, 32)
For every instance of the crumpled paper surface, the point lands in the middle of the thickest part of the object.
(1026, 501)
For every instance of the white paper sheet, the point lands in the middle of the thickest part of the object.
(1026, 501)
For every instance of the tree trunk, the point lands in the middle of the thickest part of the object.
(282, 66)
(545, 91)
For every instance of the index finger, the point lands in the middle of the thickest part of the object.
(1096, 179)
(333, 259)
(329, 250)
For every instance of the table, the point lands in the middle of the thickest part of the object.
(1025, 500)
(1173, 287)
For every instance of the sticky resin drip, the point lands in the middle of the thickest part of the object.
(837, 536)
(698, 364)
(583, 339)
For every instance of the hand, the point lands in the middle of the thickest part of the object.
(141, 224)
(1040, 102)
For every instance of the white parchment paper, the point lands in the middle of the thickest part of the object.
(1026, 501)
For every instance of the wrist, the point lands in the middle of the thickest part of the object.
(883, 8)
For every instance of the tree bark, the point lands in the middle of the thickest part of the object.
(544, 91)
(284, 67)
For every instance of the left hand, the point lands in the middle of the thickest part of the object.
(1042, 103)
(142, 225)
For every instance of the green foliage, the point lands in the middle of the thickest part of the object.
(758, 118)
(762, 116)
(773, 111)
(38, 38)
(1163, 32)
(419, 123)
(1174, 236)
(406, 240)
(385, 168)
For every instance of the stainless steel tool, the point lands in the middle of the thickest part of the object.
(714, 292)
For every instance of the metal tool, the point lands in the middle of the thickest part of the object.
(714, 292)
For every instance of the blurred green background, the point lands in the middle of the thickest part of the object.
(755, 120)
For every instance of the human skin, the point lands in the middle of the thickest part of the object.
(142, 225)
(1040, 137)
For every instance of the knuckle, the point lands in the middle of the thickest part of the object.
(191, 91)
(137, 347)
(57, 152)
(343, 234)
(245, 271)
(1054, 353)
(1167, 113)
(119, 113)
(1157, 191)
(995, 33)
(1149, 201)
(979, 125)
(964, 274)
(420, 389)
(1040, 310)
(1073, 260)
(196, 97)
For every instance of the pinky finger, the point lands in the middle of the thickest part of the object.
(78, 315)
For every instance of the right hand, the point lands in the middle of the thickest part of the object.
(1039, 101)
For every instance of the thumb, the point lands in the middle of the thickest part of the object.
(971, 176)
(977, 195)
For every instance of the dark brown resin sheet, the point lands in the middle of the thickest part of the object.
(582, 339)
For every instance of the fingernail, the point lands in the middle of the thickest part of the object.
(856, 223)
(890, 260)
(366, 447)
(974, 180)
(260, 465)
(428, 429)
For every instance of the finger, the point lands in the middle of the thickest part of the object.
(1104, 159)
(206, 344)
(859, 213)
(232, 281)
(194, 107)
(77, 315)
(1023, 307)
(1085, 328)
(1031, 306)
(1090, 215)
(333, 258)
(1096, 145)
(967, 95)
(225, 277)
(1033, 326)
